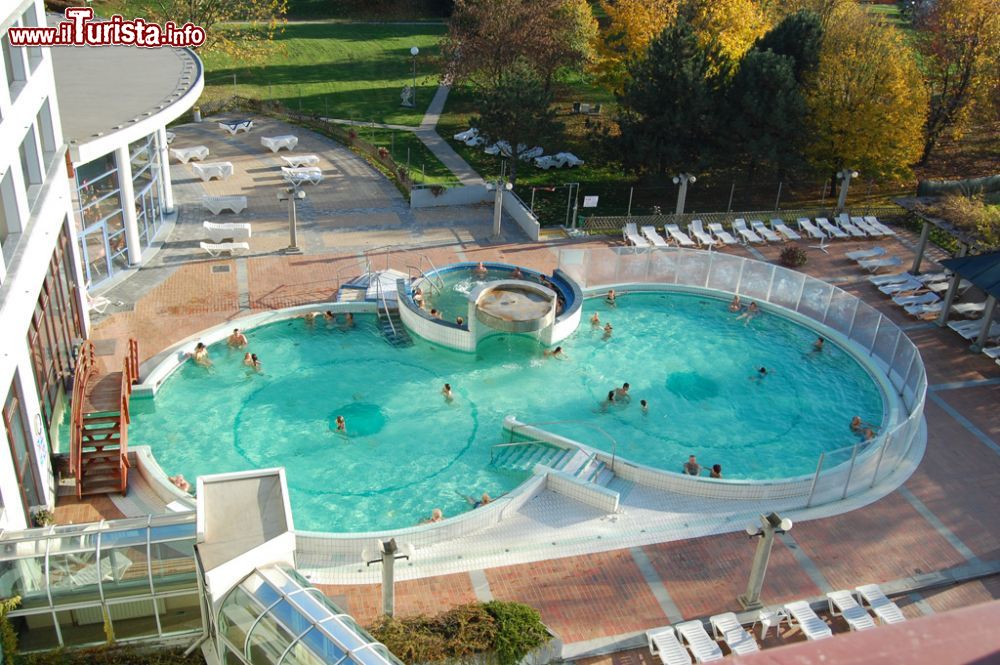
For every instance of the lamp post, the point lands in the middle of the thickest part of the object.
(844, 176)
(683, 179)
(291, 195)
(499, 187)
(388, 554)
(414, 51)
(770, 525)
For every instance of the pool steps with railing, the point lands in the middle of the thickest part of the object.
(526, 456)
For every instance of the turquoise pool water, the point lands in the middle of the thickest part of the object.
(408, 451)
(450, 294)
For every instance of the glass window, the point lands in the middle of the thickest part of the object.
(173, 565)
(22, 451)
(238, 614)
(30, 20)
(10, 218)
(124, 571)
(318, 643)
(180, 614)
(46, 134)
(268, 641)
(134, 619)
(30, 166)
(14, 64)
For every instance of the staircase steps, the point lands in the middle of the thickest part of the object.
(351, 293)
(524, 457)
(395, 332)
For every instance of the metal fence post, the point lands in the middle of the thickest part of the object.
(850, 470)
(881, 454)
(630, 191)
(777, 201)
(812, 488)
(770, 284)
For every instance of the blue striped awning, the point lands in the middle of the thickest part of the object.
(983, 270)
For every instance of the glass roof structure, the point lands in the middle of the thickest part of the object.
(276, 616)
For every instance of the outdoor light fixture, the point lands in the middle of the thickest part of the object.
(291, 194)
(388, 553)
(683, 179)
(499, 187)
(844, 176)
(770, 525)
(414, 52)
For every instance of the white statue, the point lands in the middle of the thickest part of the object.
(406, 97)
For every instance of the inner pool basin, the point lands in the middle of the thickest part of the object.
(407, 450)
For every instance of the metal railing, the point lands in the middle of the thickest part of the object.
(863, 329)
(596, 428)
(380, 298)
(515, 444)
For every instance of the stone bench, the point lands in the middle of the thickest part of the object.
(185, 155)
(206, 172)
(216, 204)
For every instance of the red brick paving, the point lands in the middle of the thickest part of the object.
(584, 597)
(427, 596)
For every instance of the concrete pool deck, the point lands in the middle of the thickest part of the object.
(943, 518)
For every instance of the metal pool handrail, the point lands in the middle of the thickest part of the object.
(613, 440)
(514, 444)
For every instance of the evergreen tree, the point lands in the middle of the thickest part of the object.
(798, 36)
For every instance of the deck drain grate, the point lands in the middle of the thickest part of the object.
(220, 268)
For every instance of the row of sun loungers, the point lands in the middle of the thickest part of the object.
(678, 644)
(536, 155)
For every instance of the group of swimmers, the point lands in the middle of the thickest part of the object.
(865, 429)
(437, 514)
(736, 305)
(237, 340)
(692, 468)
(330, 317)
(622, 396)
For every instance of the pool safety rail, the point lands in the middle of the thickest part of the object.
(874, 340)
(88, 584)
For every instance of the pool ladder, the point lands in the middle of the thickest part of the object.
(389, 321)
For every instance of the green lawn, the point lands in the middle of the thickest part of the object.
(340, 70)
(424, 166)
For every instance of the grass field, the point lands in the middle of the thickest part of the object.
(340, 70)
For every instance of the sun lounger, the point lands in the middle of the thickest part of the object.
(969, 308)
(924, 310)
(528, 155)
(761, 228)
(302, 174)
(880, 280)
(295, 161)
(863, 254)
(236, 127)
(971, 331)
(886, 610)
(704, 648)
(748, 235)
(844, 223)
(874, 265)
(546, 162)
(992, 352)
(276, 143)
(811, 625)
(466, 135)
(902, 287)
(843, 604)
(663, 643)
(185, 155)
(866, 227)
(632, 237)
(962, 309)
(726, 627)
(209, 171)
(495, 148)
(216, 204)
(810, 229)
(475, 141)
(941, 285)
(873, 221)
(569, 159)
(215, 249)
(679, 237)
(219, 231)
(653, 237)
(723, 235)
(829, 229)
(785, 230)
(702, 238)
(920, 299)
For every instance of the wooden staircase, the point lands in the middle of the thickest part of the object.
(100, 419)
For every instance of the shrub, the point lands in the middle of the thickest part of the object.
(520, 629)
(383, 152)
(43, 517)
(114, 655)
(437, 190)
(793, 257)
(971, 214)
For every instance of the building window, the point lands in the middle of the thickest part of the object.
(145, 158)
(31, 168)
(102, 226)
(14, 64)
(10, 218)
(22, 450)
(30, 20)
(46, 134)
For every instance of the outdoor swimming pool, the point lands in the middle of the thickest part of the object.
(449, 288)
(408, 451)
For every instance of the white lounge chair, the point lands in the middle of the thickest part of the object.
(475, 141)
(810, 229)
(845, 223)
(941, 285)
(216, 204)
(843, 604)
(210, 170)
(217, 248)
(728, 628)
(302, 174)
(219, 231)
(992, 352)
(761, 228)
(528, 155)
(866, 227)
(880, 280)
(924, 310)
(236, 127)
(811, 625)
(873, 221)
(569, 159)
(740, 226)
(863, 254)
(185, 155)
(497, 147)
(632, 237)
(653, 237)
(276, 143)
(874, 265)
(695, 228)
(902, 287)
(969, 308)
(663, 643)
(724, 236)
(681, 238)
(829, 229)
(919, 299)
(296, 161)
(704, 648)
(546, 162)
(466, 135)
(971, 330)
(782, 228)
(886, 610)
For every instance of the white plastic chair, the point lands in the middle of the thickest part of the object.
(695, 228)
(811, 625)
(886, 610)
(217, 248)
(704, 648)
(761, 228)
(632, 236)
(728, 628)
(843, 604)
(653, 236)
(679, 236)
(829, 229)
(740, 226)
(663, 643)
(782, 228)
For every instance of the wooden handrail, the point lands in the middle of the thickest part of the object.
(82, 374)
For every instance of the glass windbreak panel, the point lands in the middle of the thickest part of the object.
(232, 658)
(25, 578)
(124, 571)
(180, 614)
(94, 246)
(268, 641)
(133, 619)
(173, 565)
(238, 613)
(319, 644)
(35, 632)
(125, 537)
(279, 578)
(73, 577)
(171, 527)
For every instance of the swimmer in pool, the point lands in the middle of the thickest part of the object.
(595, 320)
(341, 424)
(609, 401)
(251, 360)
(349, 321)
(310, 317)
(436, 516)
(479, 271)
(446, 391)
(516, 273)
(716, 471)
(750, 314)
(760, 375)
(482, 501)
(459, 321)
(818, 345)
(200, 355)
(237, 339)
(611, 298)
(735, 305)
(554, 353)
(644, 405)
(607, 330)
(621, 394)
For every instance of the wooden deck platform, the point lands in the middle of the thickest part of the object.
(104, 394)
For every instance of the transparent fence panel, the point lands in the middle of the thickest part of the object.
(124, 571)
(693, 268)
(866, 321)
(900, 367)
(632, 267)
(571, 261)
(786, 287)
(840, 313)
(815, 298)
(756, 280)
(173, 565)
(663, 266)
(885, 342)
(724, 273)
(602, 268)
(24, 577)
(73, 576)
